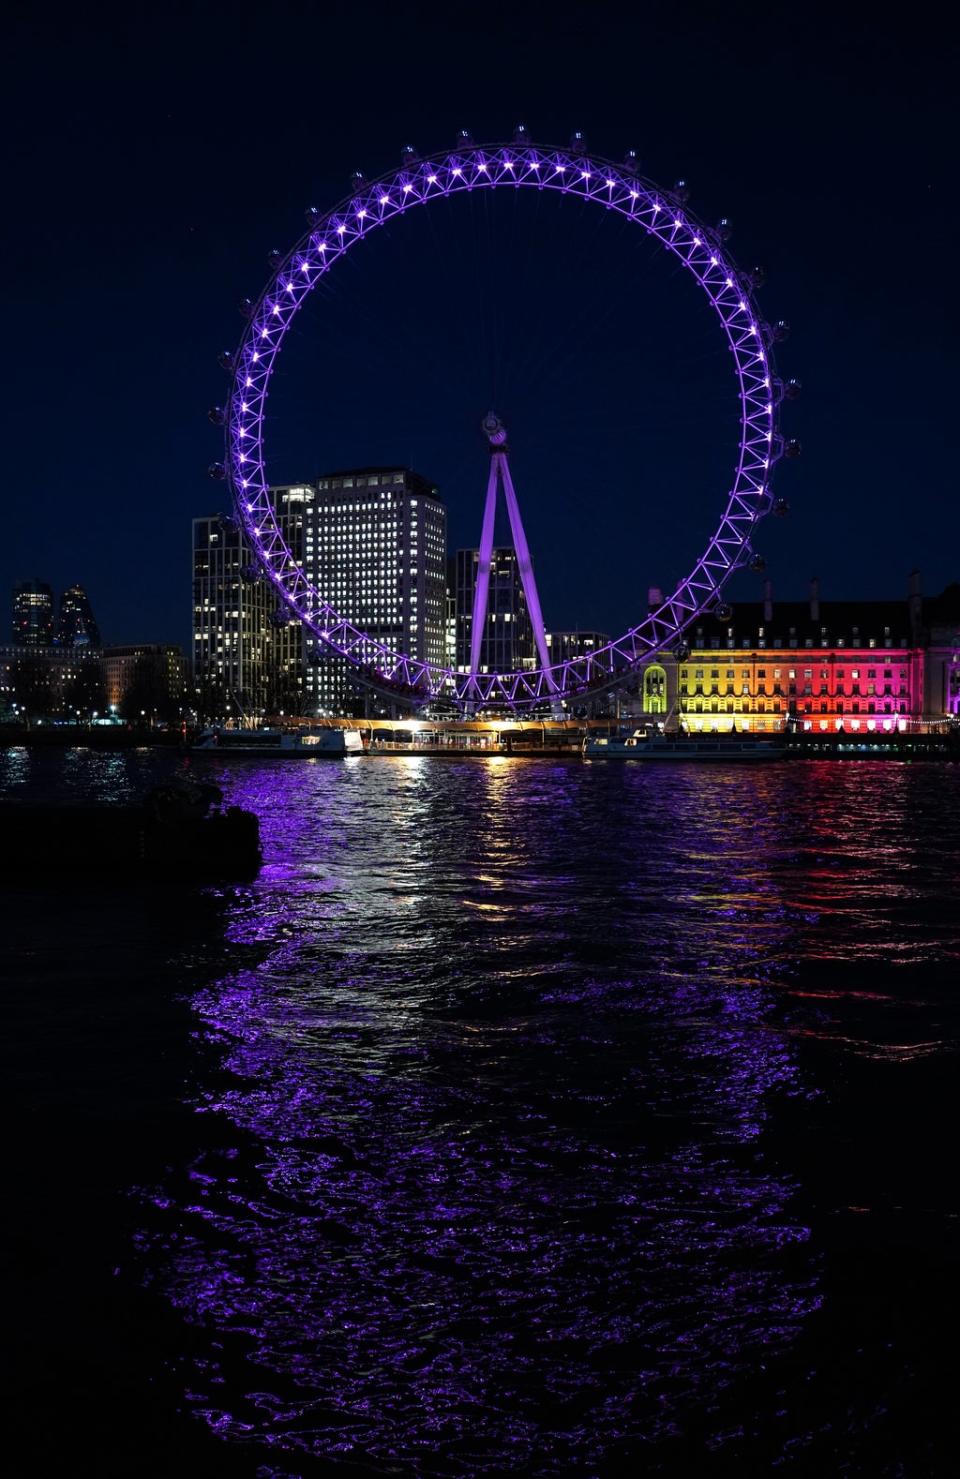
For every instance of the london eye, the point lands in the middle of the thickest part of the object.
(664, 216)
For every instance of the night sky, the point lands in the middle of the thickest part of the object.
(155, 157)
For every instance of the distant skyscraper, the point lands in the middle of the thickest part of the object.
(450, 614)
(371, 541)
(286, 649)
(507, 645)
(75, 623)
(375, 548)
(230, 621)
(566, 646)
(32, 614)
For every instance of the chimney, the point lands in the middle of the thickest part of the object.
(915, 608)
(814, 599)
(654, 598)
(768, 600)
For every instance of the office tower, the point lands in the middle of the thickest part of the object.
(375, 549)
(32, 614)
(76, 626)
(231, 606)
(508, 645)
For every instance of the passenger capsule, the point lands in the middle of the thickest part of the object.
(217, 415)
(217, 471)
(781, 508)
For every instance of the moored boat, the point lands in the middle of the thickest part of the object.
(645, 744)
(303, 744)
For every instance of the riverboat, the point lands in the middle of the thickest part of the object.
(645, 744)
(297, 744)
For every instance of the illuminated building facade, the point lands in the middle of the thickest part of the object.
(231, 604)
(871, 666)
(375, 547)
(32, 614)
(285, 640)
(450, 615)
(508, 645)
(40, 682)
(566, 646)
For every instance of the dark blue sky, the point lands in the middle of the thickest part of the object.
(155, 158)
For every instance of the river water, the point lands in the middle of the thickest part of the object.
(522, 1116)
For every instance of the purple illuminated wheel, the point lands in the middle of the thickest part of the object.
(618, 188)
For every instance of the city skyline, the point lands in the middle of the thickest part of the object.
(480, 739)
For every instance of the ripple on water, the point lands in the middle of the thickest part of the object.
(489, 1173)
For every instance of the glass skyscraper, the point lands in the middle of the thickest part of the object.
(508, 645)
(33, 614)
(76, 626)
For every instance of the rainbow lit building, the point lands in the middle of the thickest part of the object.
(860, 666)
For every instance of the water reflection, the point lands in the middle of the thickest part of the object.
(548, 1118)
(484, 1186)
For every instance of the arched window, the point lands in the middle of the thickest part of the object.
(654, 689)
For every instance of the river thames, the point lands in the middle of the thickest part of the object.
(522, 1116)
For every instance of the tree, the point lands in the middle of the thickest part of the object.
(86, 692)
(31, 680)
(147, 695)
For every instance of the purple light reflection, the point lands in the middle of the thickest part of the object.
(483, 1187)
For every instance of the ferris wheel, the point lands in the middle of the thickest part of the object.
(522, 165)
